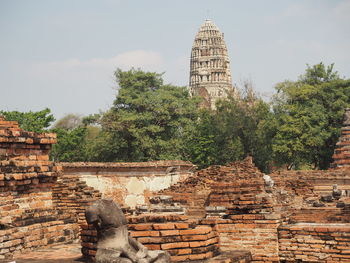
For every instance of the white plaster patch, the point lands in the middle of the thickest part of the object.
(160, 182)
(129, 190)
(102, 184)
(136, 186)
(134, 200)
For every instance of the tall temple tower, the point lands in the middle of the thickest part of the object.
(210, 75)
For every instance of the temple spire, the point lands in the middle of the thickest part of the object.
(210, 75)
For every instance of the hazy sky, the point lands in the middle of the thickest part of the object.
(61, 54)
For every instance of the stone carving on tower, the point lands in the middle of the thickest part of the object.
(210, 75)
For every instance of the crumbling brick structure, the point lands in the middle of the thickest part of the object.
(39, 206)
(237, 203)
(341, 154)
(28, 217)
(289, 216)
(307, 242)
(71, 196)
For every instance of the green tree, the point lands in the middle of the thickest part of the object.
(250, 121)
(70, 146)
(240, 126)
(75, 138)
(38, 121)
(309, 116)
(211, 142)
(148, 120)
(68, 122)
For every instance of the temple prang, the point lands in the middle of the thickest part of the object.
(210, 74)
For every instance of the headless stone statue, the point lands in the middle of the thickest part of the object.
(336, 193)
(114, 243)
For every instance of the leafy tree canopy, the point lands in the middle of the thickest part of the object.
(38, 121)
(68, 122)
(309, 115)
(148, 120)
(75, 135)
(240, 126)
(70, 146)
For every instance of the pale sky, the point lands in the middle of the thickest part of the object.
(61, 54)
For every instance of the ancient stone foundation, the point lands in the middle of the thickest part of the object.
(234, 200)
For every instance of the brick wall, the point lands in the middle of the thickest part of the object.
(321, 215)
(256, 233)
(312, 182)
(71, 196)
(28, 217)
(307, 242)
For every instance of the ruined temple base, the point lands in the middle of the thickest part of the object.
(63, 253)
(231, 257)
(71, 253)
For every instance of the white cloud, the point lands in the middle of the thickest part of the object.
(146, 60)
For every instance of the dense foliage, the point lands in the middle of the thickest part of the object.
(31, 121)
(309, 116)
(153, 121)
(147, 122)
(239, 127)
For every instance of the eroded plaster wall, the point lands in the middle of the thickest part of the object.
(130, 184)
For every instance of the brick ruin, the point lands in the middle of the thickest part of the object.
(341, 154)
(231, 213)
(291, 216)
(37, 205)
(236, 203)
(28, 217)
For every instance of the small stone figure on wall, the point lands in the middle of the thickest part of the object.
(114, 243)
(346, 118)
